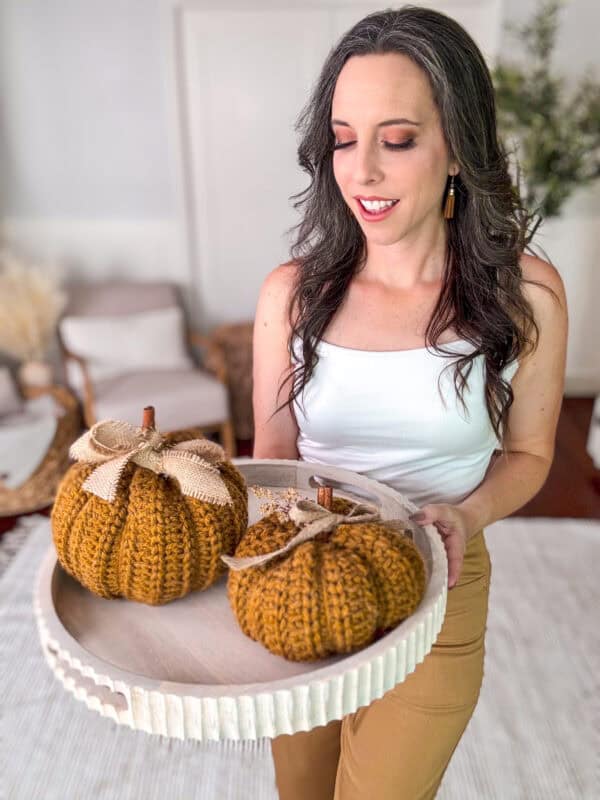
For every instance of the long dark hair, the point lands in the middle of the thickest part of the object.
(481, 293)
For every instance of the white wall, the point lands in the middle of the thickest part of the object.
(86, 163)
(114, 161)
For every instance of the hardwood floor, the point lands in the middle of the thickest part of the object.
(573, 485)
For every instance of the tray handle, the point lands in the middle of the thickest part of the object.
(76, 682)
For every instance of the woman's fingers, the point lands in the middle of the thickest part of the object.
(452, 527)
(455, 551)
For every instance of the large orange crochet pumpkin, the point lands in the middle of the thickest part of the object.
(151, 542)
(334, 593)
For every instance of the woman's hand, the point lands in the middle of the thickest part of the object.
(454, 526)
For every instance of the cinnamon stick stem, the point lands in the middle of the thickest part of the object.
(325, 497)
(148, 418)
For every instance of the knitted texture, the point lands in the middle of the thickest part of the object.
(333, 594)
(152, 544)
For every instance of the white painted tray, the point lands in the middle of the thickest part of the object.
(186, 670)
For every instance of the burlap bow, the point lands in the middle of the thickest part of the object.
(113, 444)
(314, 519)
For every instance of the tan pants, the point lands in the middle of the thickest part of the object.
(398, 747)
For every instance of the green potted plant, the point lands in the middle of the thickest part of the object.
(554, 134)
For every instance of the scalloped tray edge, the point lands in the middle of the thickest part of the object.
(245, 717)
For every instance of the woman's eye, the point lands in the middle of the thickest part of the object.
(392, 146)
(401, 146)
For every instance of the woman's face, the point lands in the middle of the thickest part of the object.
(406, 161)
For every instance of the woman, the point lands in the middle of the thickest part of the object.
(385, 266)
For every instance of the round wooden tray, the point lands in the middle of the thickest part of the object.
(186, 670)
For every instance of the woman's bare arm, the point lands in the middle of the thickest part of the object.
(274, 437)
(538, 387)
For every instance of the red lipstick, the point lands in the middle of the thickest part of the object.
(371, 197)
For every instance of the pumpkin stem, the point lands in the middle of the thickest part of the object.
(148, 418)
(325, 497)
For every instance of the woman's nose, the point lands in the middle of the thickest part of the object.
(366, 165)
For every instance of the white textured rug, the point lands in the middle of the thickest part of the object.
(534, 734)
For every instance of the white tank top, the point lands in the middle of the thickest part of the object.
(379, 413)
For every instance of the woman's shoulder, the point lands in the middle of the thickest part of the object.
(547, 297)
(272, 314)
(538, 384)
(541, 272)
(283, 277)
(277, 288)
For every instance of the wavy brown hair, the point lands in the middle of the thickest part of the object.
(481, 293)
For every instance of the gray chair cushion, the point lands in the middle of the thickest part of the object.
(181, 398)
(118, 297)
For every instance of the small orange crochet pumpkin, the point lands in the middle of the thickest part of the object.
(146, 516)
(336, 592)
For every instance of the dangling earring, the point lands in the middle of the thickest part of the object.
(449, 205)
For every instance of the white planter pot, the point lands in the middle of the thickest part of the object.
(35, 373)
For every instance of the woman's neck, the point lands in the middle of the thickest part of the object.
(415, 261)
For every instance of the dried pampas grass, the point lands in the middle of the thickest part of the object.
(31, 302)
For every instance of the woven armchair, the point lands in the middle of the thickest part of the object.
(39, 490)
(234, 343)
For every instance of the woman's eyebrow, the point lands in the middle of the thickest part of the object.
(398, 121)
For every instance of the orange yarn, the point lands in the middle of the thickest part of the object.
(152, 544)
(332, 594)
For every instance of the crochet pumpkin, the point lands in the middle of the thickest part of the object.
(146, 516)
(334, 592)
